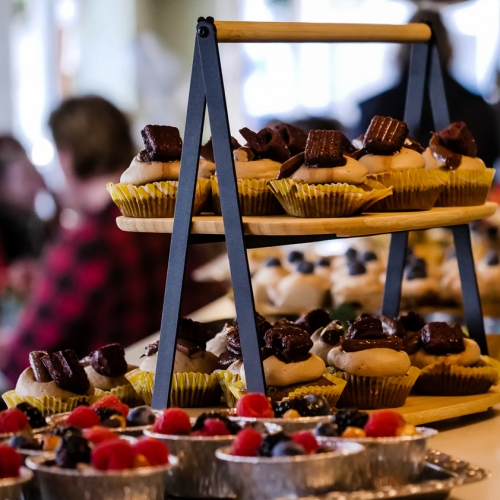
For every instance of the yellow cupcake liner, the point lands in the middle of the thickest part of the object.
(126, 394)
(466, 188)
(189, 390)
(370, 393)
(48, 405)
(331, 393)
(325, 200)
(444, 379)
(254, 196)
(413, 189)
(156, 199)
(226, 379)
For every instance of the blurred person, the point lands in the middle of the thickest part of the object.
(100, 284)
(463, 105)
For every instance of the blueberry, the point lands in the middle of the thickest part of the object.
(491, 258)
(323, 262)
(305, 267)
(270, 441)
(72, 450)
(105, 413)
(326, 429)
(288, 449)
(369, 256)
(351, 254)
(356, 267)
(142, 415)
(295, 256)
(316, 405)
(273, 262)
(25, 442)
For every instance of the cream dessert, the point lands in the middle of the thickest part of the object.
(326, 338)
(267, 277)
(418, 287)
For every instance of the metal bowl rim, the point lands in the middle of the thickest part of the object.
(423, 433)
(176, 437)
(59, 419)
(34, 432)
(280, 421)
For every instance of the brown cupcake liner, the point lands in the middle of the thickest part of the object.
(254, 196)
(156, 199)
(370, 393)
(325, 200)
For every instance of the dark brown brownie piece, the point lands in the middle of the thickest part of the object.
(162, 142)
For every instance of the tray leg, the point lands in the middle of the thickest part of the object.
(470, 292)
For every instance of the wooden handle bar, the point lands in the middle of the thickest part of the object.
(255, 32)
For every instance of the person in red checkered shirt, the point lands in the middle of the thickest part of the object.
(99, 284)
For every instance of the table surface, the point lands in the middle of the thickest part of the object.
(475, 438)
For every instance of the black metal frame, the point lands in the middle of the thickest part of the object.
(207, 90)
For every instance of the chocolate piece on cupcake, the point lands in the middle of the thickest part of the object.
(385, 135)
(163, 143)
(294, 137)
(65, 369)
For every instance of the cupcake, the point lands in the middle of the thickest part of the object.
(326, 338)
(453, 151)
(256, 163)
(54, 383)
(293, 259)
(393, 159)
(323, 269)
(418, 288)
(325, 181)
(377, 369)
(148, 188)
(451, 364)
(265, 278)
(193, 383)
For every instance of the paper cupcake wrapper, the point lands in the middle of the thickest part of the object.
(324, 200)
(254, 195)
(156, 199)
(48, 405)
(413, 189)
(226, 379)
(370, 393)
(126, 394)
(443, 379)
(189, 390)
(466, 188)
(331, 393)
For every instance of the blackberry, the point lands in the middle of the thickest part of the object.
(231, 426)
(326, 429)
(270, 441)
(72, 451)
(105, 413)
(349, 417)
(66, 431)
(34, 415)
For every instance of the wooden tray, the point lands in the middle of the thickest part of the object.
(362, 225)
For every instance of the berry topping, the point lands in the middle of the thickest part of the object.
(199, 425)
(355, 267)
(288, 449)
(142, 415)
(273, 262)
(10, 461)
(349, 417)
(353, 432)
(34, 415)
(110, 417)
(214, 427)
(326, 429)
(13, 420)
(305, 267)
(173, 421)
(310, 405)
(25, 442)
(369, 256)
(113, 455)
(291, 414)
(246, 443)
(112, 402)
(307, 440)
(99, 434)
(254, 405)
(295, 256)
(384, 423)
(323, 262)
(351, 253)
(83, 417)
(491, 258)
(270, 441)
(155, 452)
(72, 450)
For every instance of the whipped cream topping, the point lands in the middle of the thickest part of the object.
(404, 160)
(353, 172)
(468, 357)
(467, 163)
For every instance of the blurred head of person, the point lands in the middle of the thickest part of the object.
(94, 146)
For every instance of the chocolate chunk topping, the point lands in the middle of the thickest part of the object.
(291, 166)
(294, 137)
(187, 347)
(413, 144)
(324, 149)
(367, 332)
(194, 331)
(332, 333)
(458, 138)
(439, 338)
(266, 144)
(443, 154)
(412, 322)
(207, 150)
(349, 345)
(385, 135)
(151, 349)
(228, 358)
(357, 154)
(310, 322)
(39, 371)
(391, 326)
(109, 360)
(233, 334)
(412, 343)
(288, 343)
(66, 371)
(144, 156)
(163, 143)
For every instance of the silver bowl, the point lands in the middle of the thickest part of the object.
(287, 424)
(262, 478)
(136, 484)
(11, 487)
(393, 461)
(5, 436)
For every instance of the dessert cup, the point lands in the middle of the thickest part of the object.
(11, 488)
(287, 424)
(263, 478)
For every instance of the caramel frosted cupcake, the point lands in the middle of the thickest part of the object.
(256, 164)
(325, 181)
(148, 188)
(453, 151)
(451, 364)
(393, 159)
(377, 369)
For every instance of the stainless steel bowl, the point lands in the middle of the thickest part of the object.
(261, 478)
(393, 461)
(5, 436)
(136, 484)
(11, 487)
(287, 424)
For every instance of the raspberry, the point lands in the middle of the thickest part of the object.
(112, 402)
(155, 451)
(113, 455)
(83, 417)
(173, 421)
(13, 420)
(10, 461)
(214, 427)
(384, 423)
(254, 405)
(98, 434)
(246, 443)
(307, 440)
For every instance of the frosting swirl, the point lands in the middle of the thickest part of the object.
(403, 160)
